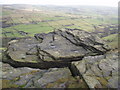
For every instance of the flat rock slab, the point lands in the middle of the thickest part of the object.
(99, 71)
(29, 77)
(58, 46)
(52, 76)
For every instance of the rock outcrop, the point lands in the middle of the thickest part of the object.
(62, 54)
(98, 71)
(37, 78)
(55, 48)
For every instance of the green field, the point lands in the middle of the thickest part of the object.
(112, 40)
(43, 19)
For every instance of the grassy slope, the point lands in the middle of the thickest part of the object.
(64, 18)
(112, 40)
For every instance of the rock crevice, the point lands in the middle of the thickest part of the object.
(60, 46)
(85, 54)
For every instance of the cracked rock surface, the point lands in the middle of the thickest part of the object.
(55, 48)
(51, 60)
(99, 71)
(26, 77)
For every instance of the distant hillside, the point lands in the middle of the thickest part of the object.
(27, 20)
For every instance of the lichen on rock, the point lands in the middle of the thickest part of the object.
(58, 46)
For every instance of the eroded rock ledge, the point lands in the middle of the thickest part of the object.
(61, 46)
(84, 53)
(98, 71)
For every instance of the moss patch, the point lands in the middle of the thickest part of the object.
(69, 82)
(30, 73)
(8, 84)
(102, 81)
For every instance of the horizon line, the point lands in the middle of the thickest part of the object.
(57, 4)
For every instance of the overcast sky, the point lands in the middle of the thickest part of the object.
(113, 3)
